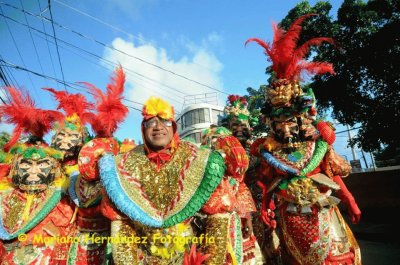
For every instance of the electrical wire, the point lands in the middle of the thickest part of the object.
(47, 42)
(68, 84)
(33, 41)
(55, 39)
(120, 51)
(97, 56)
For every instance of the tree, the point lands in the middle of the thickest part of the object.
(366, 87)
(255, 99)
(4, 138)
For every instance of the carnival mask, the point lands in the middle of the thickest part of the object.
(286, 132)
(241, 131)
(307, 130)
(69, 141)
(34, 174)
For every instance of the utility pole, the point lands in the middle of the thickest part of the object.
(373, 160)
(365, 160)
(350, 137)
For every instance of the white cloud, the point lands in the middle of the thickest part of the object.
(144, 80)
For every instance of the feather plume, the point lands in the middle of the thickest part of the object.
(110, 110)
(72, 104)
(287, 57)
(21, 112)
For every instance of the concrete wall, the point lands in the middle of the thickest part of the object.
(378, 197)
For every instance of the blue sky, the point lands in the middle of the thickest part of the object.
(169, 48)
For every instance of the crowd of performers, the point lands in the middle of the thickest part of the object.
(236, 199)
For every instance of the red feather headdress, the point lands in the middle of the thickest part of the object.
(72, 103)
(21, 112)
(287, 57)
(75, 106)
(109, 107)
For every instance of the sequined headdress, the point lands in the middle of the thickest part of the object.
(285, 95)
(237, 109)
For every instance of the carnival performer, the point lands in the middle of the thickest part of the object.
(160, 193)
(36, 216)
(239, 121)
(93, 227)
(70, 135)
(300, 170)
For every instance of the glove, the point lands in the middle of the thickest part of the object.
(267, 208)
(345, 195)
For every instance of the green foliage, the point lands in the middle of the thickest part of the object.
(256, 99)
(4, 138)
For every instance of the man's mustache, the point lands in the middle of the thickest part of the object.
(244, 133)
(43, 179)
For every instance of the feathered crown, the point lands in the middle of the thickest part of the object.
(157, 107)
(288, 63)
(75, 106)
(21, 112)
(110, 110)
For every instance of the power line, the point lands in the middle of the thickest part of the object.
(130, 35)
(33, 41)
(15, 44)
(99, 57)
(115, 64)
(68, 84)
(95, 55)
(349, 130)
(10, 76)
(100, 21)
(120, 51)
(55, 40)
(47, 41)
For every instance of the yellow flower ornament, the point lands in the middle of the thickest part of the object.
(157, 107)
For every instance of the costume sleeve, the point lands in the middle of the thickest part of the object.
(245, 200)
(335, 165)
(235, 156)
(90, 154)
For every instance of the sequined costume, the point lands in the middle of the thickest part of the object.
(168, 201)
(221, 139)
(300, 171)
(36, 217)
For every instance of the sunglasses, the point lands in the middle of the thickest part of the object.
(153, 123)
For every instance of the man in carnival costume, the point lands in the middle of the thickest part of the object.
(86, 194)
(33, 209)
(300, 169)
(157, 192)
(239, 121)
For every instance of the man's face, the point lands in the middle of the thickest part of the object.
(34, 175)
(158, 133)
(286, 131)
(69, 141)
